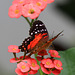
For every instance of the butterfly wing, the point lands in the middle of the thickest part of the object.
(46, 45)
(25, 44)
(38, 36)
(37, 27)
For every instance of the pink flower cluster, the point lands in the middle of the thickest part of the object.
(13, 49)
(25, 66)
(50, 65)
(29, 65)
(27, 8)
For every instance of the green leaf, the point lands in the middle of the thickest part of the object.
(68, 61)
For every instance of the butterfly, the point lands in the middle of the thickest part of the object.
(38, 40)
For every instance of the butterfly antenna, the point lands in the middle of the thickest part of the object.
(61, 35)
(53, 34)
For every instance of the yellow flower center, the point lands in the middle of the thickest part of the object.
(23, 67)
(33, 64)
(38, 4)
(53, 53)
(21, 2)
(45, 0)
(16, 11)
(14, 49)
(58, 65)
(31, 11)
(47, 63)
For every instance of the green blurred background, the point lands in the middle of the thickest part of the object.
(58, 16)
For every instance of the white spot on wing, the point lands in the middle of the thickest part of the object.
(40, 25)
(38, 31)
(31, 33)
(25, 42)
(42, 29)
(36, 24)
(35, 29)
(27, 39)
(45, 30)
(35, 32)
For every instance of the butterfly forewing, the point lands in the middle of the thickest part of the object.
(38, 27)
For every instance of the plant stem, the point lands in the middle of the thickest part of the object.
(15, 55)
(24, 55)
(31, 22)
(41, 73)
(27, 20)
(36, 18)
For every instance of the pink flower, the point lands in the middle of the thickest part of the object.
(43, 52)
(49, 70)
(21, 2)
(24, 67)
(48, 1)
(58, 64)
(47, 63)
(56, 72)
(33, 71)
(44, 69)
(19, 72)
(15, 11)
(27, 60)
(41, 4)
(34, 65)
(13, 48)
(54, 53)
(13, 60)
(31, 10)
(29, 1)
